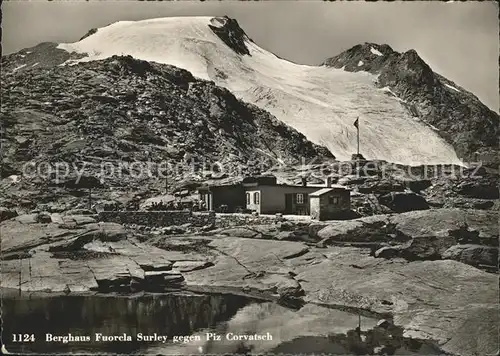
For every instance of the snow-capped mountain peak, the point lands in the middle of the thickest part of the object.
(322, 102)
(454, 113)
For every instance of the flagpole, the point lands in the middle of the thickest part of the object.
(357, 128)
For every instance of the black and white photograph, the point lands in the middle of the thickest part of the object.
(250, 177)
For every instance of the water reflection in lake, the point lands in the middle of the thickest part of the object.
(310, 330)
(163, 314)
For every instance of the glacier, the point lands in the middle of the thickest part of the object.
(319, 101)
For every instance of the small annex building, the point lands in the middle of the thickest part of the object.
(328, 203)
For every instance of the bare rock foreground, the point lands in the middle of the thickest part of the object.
(428, 282)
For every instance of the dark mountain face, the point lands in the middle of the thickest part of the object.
(43, 55)
(470, 126)
(122, 109)
(231, 33)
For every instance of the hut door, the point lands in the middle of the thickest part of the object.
(208, 201)
(288, 203)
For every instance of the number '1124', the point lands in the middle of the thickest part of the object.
(23, 337)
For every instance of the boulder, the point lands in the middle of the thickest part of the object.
(388, 252)
(417, 185)
(246, 232)
(465, 191)
(352, 179)
(170, 230)
(384, 323)
(103, 231)
(282, 284)
(79, 212)
(57, 218)
(401, 202)
(108, 231)
(341, 230)
(374, 228)
(6, 213)
(474, 255)
(207, 227)
(78, 220)
(286, 235)
(381, 186)
(415, 235)
(44, 217)
(52, 207)
(155, 265)
(482, 188)
(422, 248)
(187, 266)
(27, 218)
(463, 203)
(286, 226)
(483, 204)
(159, 280)
(116, 273)
(106, 205)
(449, 223)
(314, 228)
(419, 249)
(367, 205)
(437, 222)
(357, 157)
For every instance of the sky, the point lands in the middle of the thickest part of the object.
(458, 40)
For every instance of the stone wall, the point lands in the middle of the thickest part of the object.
(158, 218)
(227, 220)
(177, 218)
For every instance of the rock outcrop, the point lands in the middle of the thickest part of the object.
(6, 213)
(402, 202)
(428, 298)
(231, 33)
(422, 235)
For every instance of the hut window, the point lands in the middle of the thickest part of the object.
(248, 198)
(256, 198)
(300, 198)
(333, 200)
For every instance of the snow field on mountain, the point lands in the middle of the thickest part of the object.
(318, 101)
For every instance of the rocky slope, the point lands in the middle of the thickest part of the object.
(101, 118)
(456, 114)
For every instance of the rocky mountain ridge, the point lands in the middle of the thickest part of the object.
(126, 110)
(425, 106)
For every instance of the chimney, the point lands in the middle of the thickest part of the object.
(328, 182)
(304, 181)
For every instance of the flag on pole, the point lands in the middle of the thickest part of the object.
(356, 123)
